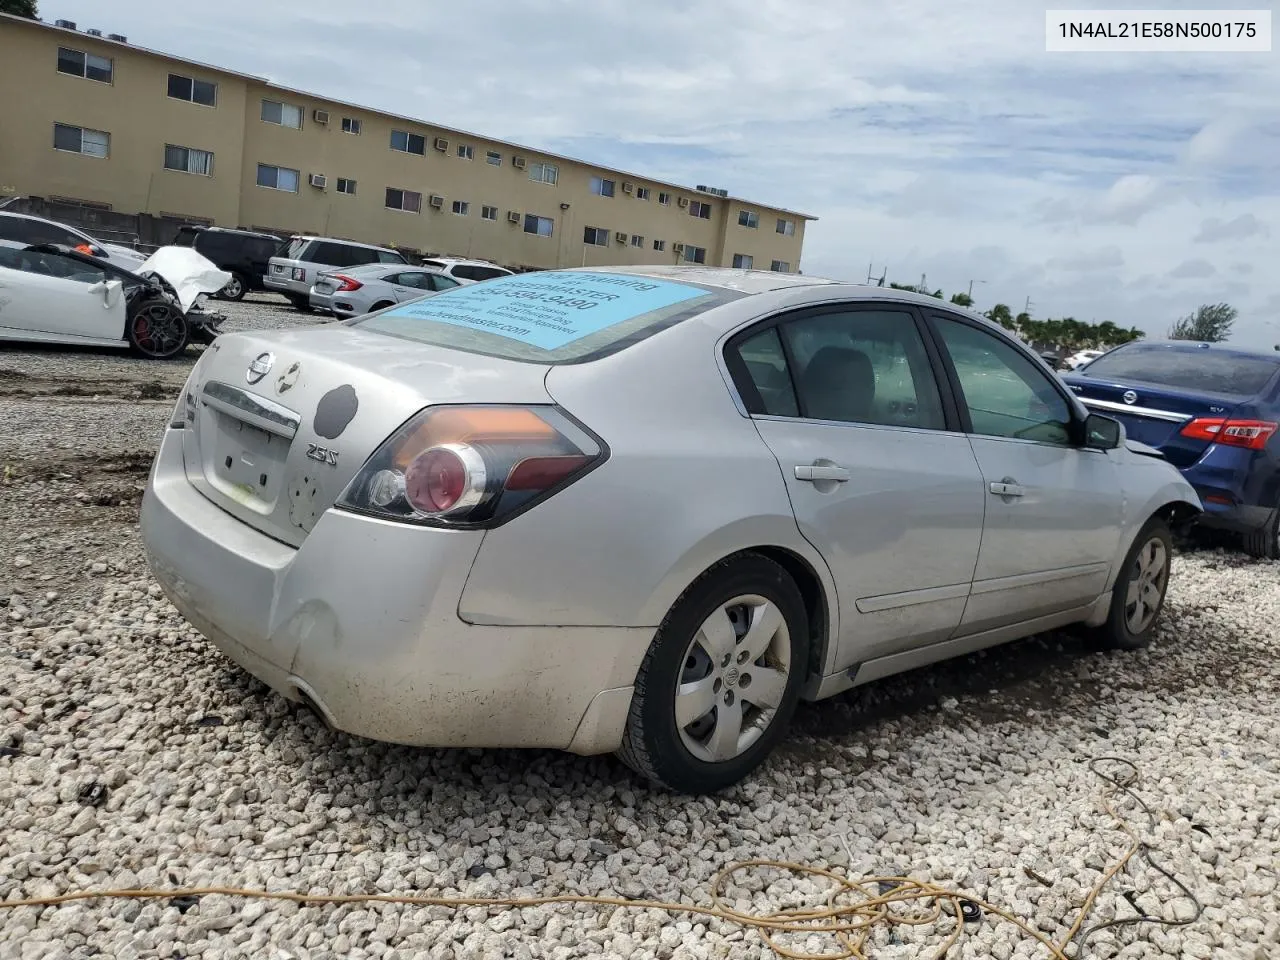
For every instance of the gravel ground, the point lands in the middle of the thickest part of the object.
(132, 753)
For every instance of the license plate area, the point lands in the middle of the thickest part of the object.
(245, 462)
(324, 288)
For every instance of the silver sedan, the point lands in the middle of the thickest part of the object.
(353, 291)
(643, 510)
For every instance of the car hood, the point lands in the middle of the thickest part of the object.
(186, 271)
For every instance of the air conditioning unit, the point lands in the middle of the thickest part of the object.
(620, 237)
(318, 180)
(437, 201)
(628, 186)
(513, 217)
(320, 116)
(677, 248)
(702, 188)
(93, 32)
(65, 24)
(118, 37)
(440, 143)
(722, 193)
(682, 202)
(518, 162)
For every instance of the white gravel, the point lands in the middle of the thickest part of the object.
(968, 773)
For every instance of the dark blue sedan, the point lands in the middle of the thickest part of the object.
(1213, 411)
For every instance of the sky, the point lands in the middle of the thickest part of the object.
(929, 137)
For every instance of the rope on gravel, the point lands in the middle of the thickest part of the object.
(849, 923)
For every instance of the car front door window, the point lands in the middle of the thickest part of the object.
(1007, 395)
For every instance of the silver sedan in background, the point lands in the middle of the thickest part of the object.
(643, 510)
(353, 291)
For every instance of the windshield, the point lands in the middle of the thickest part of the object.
(1230, 374)
(552, 317)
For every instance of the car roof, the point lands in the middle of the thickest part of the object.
(388, 267)
(244, 233)
(470, 263)
(349, 243)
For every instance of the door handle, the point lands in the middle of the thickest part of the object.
(819, 471)
(1008, 487)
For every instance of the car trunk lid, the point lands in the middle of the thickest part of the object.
(279, 423)
(1153, 414)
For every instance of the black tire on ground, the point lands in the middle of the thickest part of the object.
(1146, 571)
(1264, 543)
(654, 744)
(157, 329)
(382, 305)
(236, 287)
(300, 302)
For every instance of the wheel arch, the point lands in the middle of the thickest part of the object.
(1172, 505)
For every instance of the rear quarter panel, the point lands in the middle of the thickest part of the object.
(687, 483)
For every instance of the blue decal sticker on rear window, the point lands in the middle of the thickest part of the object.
(548, 310)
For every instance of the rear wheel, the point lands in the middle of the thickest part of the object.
(721, 679)
(236, 287)
(382, 305)
(157, 329)
(1264, 543)
(300, 302)
(1138, 596)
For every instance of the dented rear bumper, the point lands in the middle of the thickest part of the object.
(362, 621)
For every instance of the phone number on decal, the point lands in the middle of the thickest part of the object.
(1156, 30)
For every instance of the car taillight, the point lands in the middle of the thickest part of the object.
(299, 273)
(1250, 434)
(345, 284)
(469, 466)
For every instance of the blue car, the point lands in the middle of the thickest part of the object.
(1213, 411)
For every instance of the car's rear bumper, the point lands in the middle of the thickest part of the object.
(1238, 488)
(321, 301)
(362, 622)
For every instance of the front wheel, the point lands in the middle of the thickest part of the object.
(1139, 593)
(157, 329)
(721, 679)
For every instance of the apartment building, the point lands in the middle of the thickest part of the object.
(94, 119)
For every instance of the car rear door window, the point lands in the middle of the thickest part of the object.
(851, 365)
(440, 282)
(1006, 392)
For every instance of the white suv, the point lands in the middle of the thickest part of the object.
(467, 271)
(298, 266)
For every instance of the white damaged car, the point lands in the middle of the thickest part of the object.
(52, 294)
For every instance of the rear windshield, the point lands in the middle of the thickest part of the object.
(1208, 371)
(552, 317)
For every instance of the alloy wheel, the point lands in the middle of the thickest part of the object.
(1148, 579)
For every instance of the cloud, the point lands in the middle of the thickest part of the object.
(1242, 227)
(929, 137)
(1194, 270)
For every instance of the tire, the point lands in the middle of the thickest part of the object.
(704, 755)
(300, 302)
(1125, 629)
(236, 287)
(157, 329)
(1264, 543)
(382, 305)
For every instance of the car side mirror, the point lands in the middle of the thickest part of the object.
(1102, 433)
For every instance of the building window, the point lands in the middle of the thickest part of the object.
(659, 244)
(544, 172)
(601, 187)
(351, 125)
(406, 200)
(694, 254)
(76, 63)
(596, 236)
(277, 178)
(347, 186)
(780, 266)
(285, 114)
(493, 158)
(642, 193)
(488, 213)
(406, 142)
(743, 261)
(194, 91)
(787, 227)
(188, 160)
(699, 209)
(637, 240)
(748, 219)
(466, 152)
(542, 226)
(664, 199)
(92, 143)
(461, 207)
